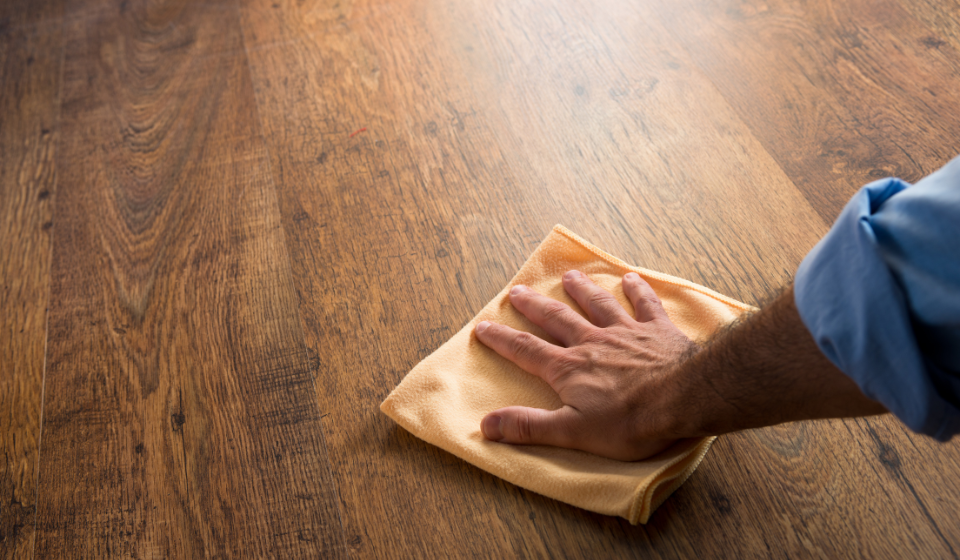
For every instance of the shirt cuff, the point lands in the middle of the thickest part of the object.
(857, 313)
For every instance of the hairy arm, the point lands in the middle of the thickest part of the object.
(631, 385)
(766, 369)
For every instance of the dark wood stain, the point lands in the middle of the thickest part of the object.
(236, 276)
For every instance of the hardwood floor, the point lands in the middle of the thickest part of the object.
(228, 229)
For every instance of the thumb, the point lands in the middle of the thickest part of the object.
(529, 426)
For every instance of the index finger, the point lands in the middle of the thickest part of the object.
(531, 353)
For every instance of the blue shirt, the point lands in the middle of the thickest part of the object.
(880, 293)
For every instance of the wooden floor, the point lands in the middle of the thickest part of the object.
(229, 228)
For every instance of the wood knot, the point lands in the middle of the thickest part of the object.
(932, 42)
(178, 420)
(889, 457)
(720, 502)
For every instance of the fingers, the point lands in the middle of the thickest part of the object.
(602, 308)
(531, 426)
(532, 354)
(561, 322)
(645, 301)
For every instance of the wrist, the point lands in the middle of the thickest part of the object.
(686, 411)
(700, 403)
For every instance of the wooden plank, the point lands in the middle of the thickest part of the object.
(179, 412)
(30, 54)
(840, 93)
(484, 125)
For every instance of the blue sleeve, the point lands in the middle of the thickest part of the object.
(880, 293)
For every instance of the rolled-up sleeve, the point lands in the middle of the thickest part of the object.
(880, 294)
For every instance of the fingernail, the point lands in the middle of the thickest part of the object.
(633, 276)
(491, 427)
(571, 274)
(517, 290)
(482, 326)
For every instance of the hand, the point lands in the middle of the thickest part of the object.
(613, 373)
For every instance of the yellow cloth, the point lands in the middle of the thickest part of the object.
(443, 399)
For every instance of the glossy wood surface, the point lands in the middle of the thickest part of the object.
(230, 228)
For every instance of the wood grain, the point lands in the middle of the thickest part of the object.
(179, 418)
(839, 93)
(942, 18)
(484, 124)
(843, 93)
(30, 56)
(267, 211)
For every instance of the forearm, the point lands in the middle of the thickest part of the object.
(764, 370)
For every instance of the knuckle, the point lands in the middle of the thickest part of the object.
(645, 293)
(650, 304)
(567, 363)
(524, 426)
(594, 337)
(582, 359)
(588, 359)
(554, 310)
(649, 298)
(599, 298)
(522, 344)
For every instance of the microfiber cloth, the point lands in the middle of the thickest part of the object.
(444, 398)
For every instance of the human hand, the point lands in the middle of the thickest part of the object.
(613, 373)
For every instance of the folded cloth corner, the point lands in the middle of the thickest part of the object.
(443, 399)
